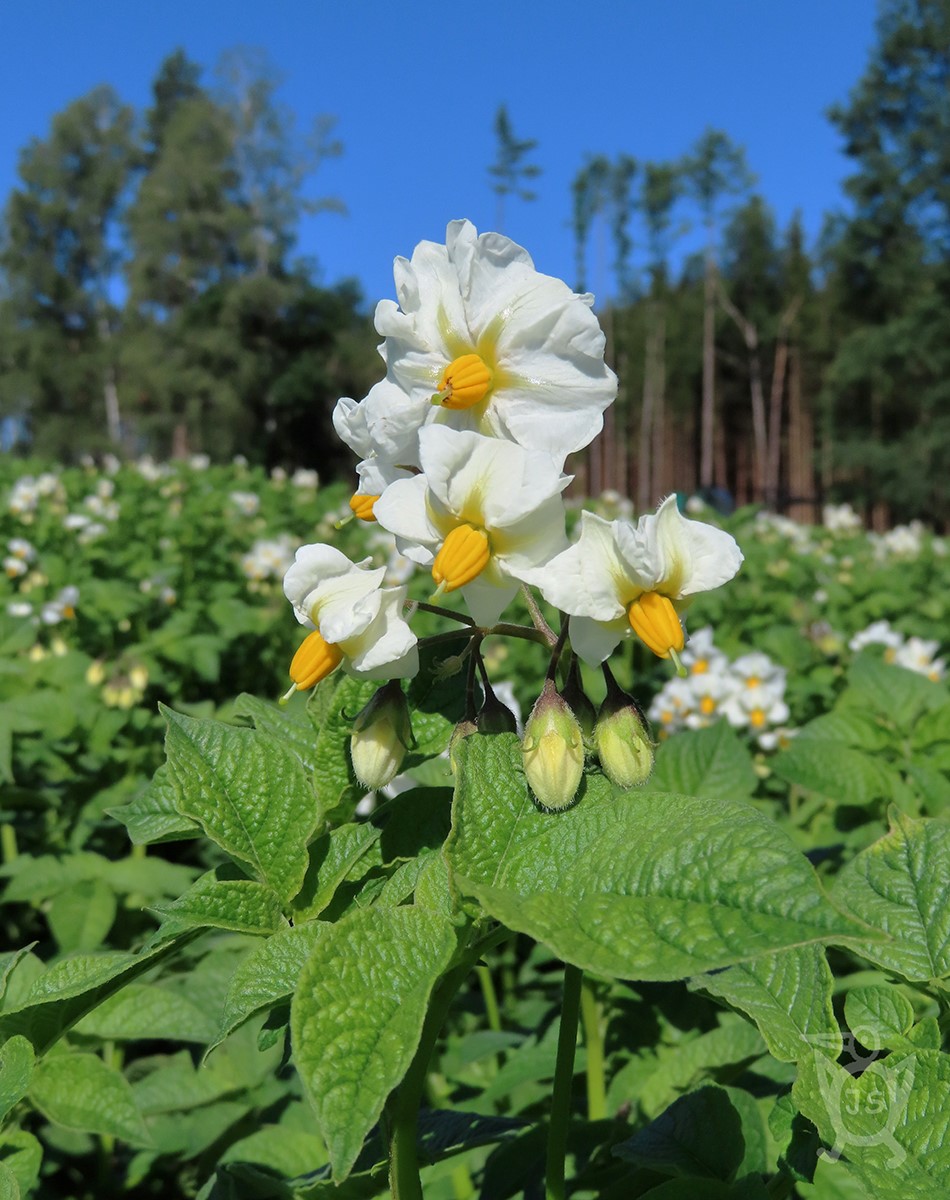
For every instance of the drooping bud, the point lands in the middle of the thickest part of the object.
(622, 737)
(382, 733)
(494, 716)
(573, 692)
(465, 728)
(553, 750)
(466, 381)
(362, 506)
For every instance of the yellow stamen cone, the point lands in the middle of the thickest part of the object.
(314, 660)
(653, 619)
(463, 557)
(362, 506)
(465, 381)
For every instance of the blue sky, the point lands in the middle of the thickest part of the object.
(415, 86)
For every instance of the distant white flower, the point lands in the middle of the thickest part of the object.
(22, 549)
(20, 608)
(268, 558)
(483, 513)
(303, 478)
(76, 520)
(14, 567)
(919, 654)
(878, 633)
(63, 608)
(841, 518)
(481, 341)
(199, 462)
(354, 620)
(247, 503)
(618, 579)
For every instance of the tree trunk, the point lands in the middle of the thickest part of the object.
(774, 460)
(110, 390)
(707, 431)
(647, 449)
(750, 335)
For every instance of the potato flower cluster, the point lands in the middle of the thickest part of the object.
(495, 374)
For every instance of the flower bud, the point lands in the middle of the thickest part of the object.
(573, 693)
(381, 734)
(622, 737)
(494, 716)
(553, 750)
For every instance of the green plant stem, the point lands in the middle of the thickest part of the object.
(491, 1000)
(422, 606)
(403, 1105)
(537, 616)
(594, 1043)
(8, 846)
(563, 1078)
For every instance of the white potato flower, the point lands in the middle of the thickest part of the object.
(354, 620)
(621, 579)
(480, 340)
(482, 513)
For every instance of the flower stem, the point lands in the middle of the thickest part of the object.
(537, 616)
(563, 1078)
(594, 1043)
(422, 606)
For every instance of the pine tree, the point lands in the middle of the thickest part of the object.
(60, 256)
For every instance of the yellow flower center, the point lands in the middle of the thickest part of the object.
(752, 681)
(700, 666)
(314, 660)
(757, 718)
(466, 381)
(707, 706)
(463, 557)
(362, 506)
(653, 619)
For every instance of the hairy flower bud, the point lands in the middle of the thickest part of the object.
(553, 750)
(381, 735)
(622, 737)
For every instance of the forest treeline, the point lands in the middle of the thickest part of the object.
(150, 297)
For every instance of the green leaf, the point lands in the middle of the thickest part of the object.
(81, 1092)
(292, 728)
(788, 995)
(337, 789)
(898, 886)
(249, 793)
(9, 1187)
(878, 1016)
(66, 992)
(16, 1067)
(332, 857)
(22, 1155)
(177, 1086)
(680, 1067)
(145, 1011)
(852, 727)
(896, 693)
(80, 917)
(238, 904)
(637, 884)
(357, 1015)
(268, 975)
(705, 762)
(846, 775)
(704, 1132)
(153, 816)
(889, 1121)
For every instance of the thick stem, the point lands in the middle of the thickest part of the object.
(402, 1109)
(594, 1043)
(563, 1078)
